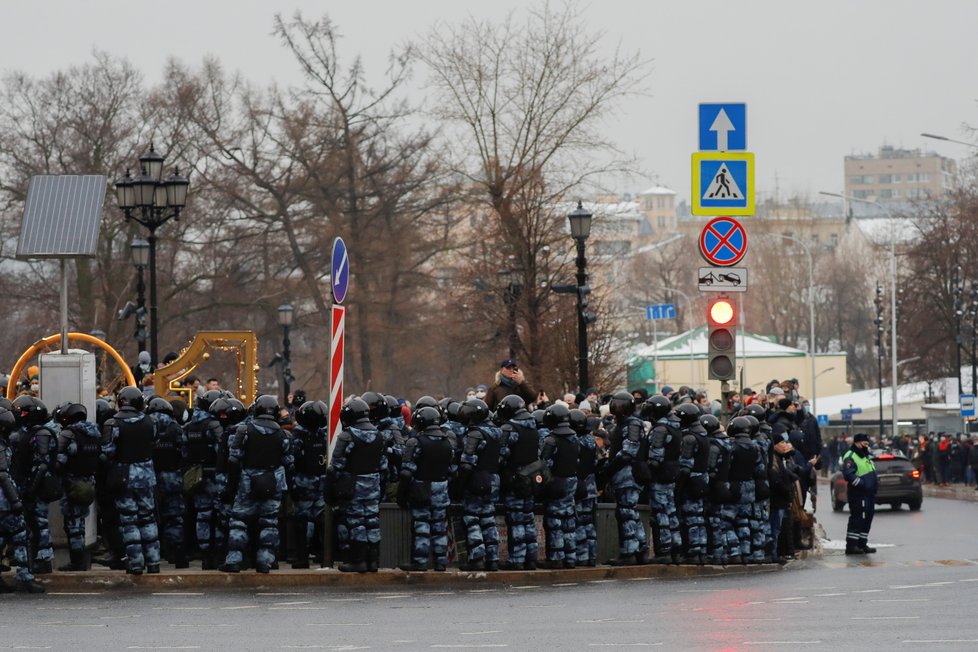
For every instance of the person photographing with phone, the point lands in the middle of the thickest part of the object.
(509, 380)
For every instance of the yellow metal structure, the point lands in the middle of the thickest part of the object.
(38, 346)
(243, 343)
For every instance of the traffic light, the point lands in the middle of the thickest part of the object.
(721, 339)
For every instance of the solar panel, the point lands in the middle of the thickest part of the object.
(61, 216)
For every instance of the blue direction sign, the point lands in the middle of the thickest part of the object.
(723, 183)
(340, 270)
(661, 311)
(723, 127)
(967, 405)
(823, 419)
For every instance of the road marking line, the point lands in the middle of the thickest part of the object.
(250, 606)
(829, 595)
(175, 593)
(392, 597)
(286, 604)
(528, 586)
(574, 583)
(344, 599)
(869, 591)
(488, 631)
(282, 593)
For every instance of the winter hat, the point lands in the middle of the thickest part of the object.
(860, 436)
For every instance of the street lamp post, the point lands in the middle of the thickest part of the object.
(958, 289)
(893, 297)
(286, 313)
(158, 200)
(580, 228)
(878, 302)
(139, 249)
(973, 313)
(511, 295)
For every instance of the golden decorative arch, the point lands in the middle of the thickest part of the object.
(44, 343)
(243, 343)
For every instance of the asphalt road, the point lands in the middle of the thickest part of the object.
(916, 593)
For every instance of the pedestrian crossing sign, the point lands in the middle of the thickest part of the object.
(723, 183)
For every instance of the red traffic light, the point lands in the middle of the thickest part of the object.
(721, 312)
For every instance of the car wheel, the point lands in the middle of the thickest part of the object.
(914, 506)
(837, 506)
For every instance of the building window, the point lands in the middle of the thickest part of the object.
(861, 180)
(815, 240)
(662, 221)
(896, 193)
(923, 177)
(661, 201)
(886, 178)
(896, 178)
(886, 193)
(833, 240)
(862, 194)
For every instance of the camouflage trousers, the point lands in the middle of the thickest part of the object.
(13, 537)
(137, 517)
(430, 527)
(665, 519)
(521, 529)
(173, 507)
(631, 531)
(560, 521)
(693, 521)
(586, 535)
(359, 519)
(722, 538)
(762, 536)
(245, 511)
(307, 500)
(749, 530)
(479, 517)
(74, 515)
(211, 515)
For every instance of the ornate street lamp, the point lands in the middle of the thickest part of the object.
(286, 313)
(580, 227)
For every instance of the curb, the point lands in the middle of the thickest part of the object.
(168, 580)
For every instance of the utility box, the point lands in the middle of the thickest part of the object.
(69, 377)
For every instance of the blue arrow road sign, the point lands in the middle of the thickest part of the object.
(823, 419)
(661, 311)
(856, 410)
(340, 270)
(846, 415)
(723, 127)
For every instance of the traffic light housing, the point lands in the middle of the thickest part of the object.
(721, 339)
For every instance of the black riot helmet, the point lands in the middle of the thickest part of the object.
(688, 414)
(103, 411)
(755, 410)
(354, 412)
(130, 397)
(444, 403)
(656, 407)
(265, 405)
(7, 421)
(69, 413)
(473, 411)
(219, 409)
(557, 415)
(710, 423)
(538, 417)
(159, 405)
(29, 411)
(314, 415)
(376, 403)
(211, 395)
(738, 426)
(426, 401)
(755, 425)
(393, 407)
(236, 411)
(453, 412)
(509, 407)
(6, 403)
(578, 422)
(425, 418)
(622, 404)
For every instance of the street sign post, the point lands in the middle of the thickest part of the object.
(661, 311)
(723, 241)
(723, 183)
(339, 284)
(723, 127)
(727, 279)
(967, 405)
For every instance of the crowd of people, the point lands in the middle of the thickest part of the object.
(176, 482)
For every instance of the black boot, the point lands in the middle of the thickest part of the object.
(80, 560)
(5, 588)
(300, 558)
(180, 558)
(358, 559)
(853, 548)
(42, 567)
(413, 567)
(207, 560)
(622, 560)
(373, 557)
(28, 586)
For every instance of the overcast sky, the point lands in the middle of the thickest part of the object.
(821, 79)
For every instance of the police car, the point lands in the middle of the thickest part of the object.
(899, 482)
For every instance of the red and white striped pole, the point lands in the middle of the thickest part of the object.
(338, 323)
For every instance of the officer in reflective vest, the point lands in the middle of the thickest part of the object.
(860, 473)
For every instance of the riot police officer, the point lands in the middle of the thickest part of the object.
(35, 447)
(356, 473)
(310, 450)
(629, 452)
(168, 464)
(110, 529)
(203, 435)
(761, 433)
(429, 464)
(747, 468)
(723, 545)
(13, 529)
(258, 461)
(586, 495)
(79, 450)
(521, 466)
(133, 480)
(694, 482)
(560, 453)
(665, 444)
(482, 453)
